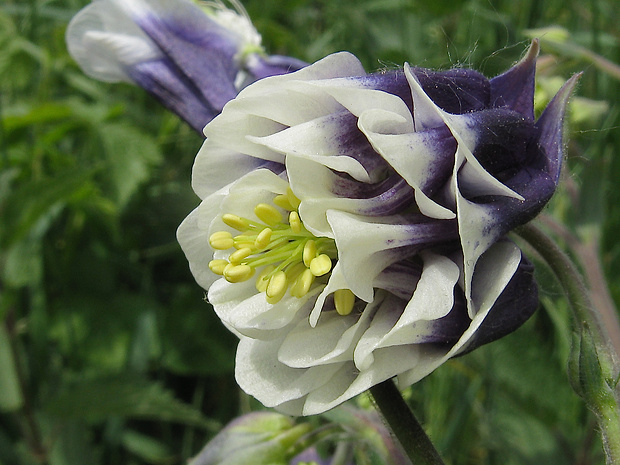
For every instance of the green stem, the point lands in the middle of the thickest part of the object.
(595, 365)
(416, 444)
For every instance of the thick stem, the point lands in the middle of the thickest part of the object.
(416, 444)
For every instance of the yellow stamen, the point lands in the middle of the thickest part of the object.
(268, 214)
(321, 265)
(276, 288)
(287, 256)
(283, 202)
(309, 253)
(237, 273)
(235, 222)
(263, 278)
(295, 222)
(344, 300)
(237, 257)
(292, 198)
(302, 284)
(217, 266)
(263, 238)
(221, 240)
(295, 270)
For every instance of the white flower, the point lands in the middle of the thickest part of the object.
(352, 226)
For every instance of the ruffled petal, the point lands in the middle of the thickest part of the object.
(368, 245)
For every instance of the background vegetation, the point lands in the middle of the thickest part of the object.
(108, 353)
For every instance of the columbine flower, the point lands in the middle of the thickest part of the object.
(192, 59)
(353, 227)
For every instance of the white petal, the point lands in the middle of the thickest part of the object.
(195, 244)
(103, 39)
(357, 98)
(216, 166)
(246, 310)
(365, 248)
(493, 273)
(260, 374)
(407, 152)
(266, 107)
(433, 299)
(315, 140)
(332, 340)
(346, 384)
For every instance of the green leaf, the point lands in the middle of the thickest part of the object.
(96, 399)
(147, 448)
(37, 200)
(131, 155)
(11, 398)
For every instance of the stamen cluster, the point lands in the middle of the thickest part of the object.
(286, 255)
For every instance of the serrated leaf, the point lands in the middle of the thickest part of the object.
(36, 199)
(97, 399)
(131, 155)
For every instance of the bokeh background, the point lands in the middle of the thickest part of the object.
(108, 352)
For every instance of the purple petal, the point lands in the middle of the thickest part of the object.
(514, 306)
(515, 88)
(400, 278)
(448, 329)
(260, 67)
(390, 196)
(456, 91)
(163, 80)
(550, 128)
(502, 144)
(201, 50)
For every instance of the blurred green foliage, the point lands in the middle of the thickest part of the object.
(108, 354)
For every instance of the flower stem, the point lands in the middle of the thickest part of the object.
(594, 365)
(397, 414)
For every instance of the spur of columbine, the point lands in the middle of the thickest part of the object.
(193, 57)
(353, 226)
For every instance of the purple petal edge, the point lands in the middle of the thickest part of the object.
(550, 127)
(515, 88)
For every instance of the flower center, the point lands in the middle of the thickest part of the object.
(286, 255)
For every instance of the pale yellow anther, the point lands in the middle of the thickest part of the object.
(344, 300)
(276, 287)
(309, 252)
(321, 265)
(263, 278)
(293, 271)
(283, 202)
(237, 273)
(238, 256)
(263, 238)
(268, 214)
(302, 284)
(295, 222)
(292, 198)
(236, 222)
(243, 245)
(217, 266)
(221, 240)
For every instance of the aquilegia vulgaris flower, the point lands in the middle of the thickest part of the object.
(353, 226)
(193, 59)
